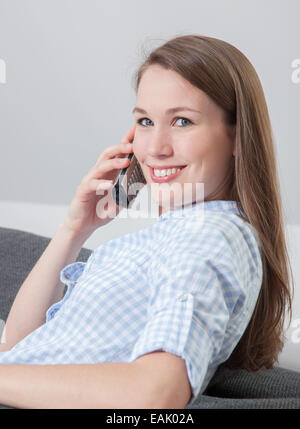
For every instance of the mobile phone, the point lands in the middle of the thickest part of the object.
(127, 177)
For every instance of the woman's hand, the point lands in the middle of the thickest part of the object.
(84, 216)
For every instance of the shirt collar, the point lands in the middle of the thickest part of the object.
(187, 210)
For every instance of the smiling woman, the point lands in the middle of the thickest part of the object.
(203, 142)
(225, 141)
(151, 315)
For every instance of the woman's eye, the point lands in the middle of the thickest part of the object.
(142, 119)
(184, 119)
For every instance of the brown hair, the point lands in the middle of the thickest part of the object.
(229, 79)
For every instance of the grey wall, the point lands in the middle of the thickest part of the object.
(69, 93)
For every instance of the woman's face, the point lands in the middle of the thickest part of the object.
(198, 140)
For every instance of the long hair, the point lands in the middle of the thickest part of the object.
(229, 79)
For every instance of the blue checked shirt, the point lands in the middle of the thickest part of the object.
(188, 285)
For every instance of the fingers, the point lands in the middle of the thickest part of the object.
(129, 135)
(107, 169)
(113, 158)
(117, 149)
(93, 185)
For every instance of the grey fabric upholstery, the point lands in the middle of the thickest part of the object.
(19, 252)
(275, 388)
(267, 388)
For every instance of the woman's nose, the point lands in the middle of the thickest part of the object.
(159, 144)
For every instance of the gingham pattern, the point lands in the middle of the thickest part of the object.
(187, 285)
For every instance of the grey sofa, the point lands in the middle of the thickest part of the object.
(275, 388)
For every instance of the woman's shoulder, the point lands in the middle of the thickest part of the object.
(218, 223)
(214, 232)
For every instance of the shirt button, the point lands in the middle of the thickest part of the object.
(182, 297)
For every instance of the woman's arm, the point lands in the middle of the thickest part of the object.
(106, 385)
(42, 287)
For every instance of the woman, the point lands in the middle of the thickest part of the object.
(151, 315)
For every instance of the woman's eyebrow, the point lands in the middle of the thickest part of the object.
(172, 110)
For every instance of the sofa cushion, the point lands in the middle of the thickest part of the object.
(265, 383)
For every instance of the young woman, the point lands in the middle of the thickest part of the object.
(147, 320)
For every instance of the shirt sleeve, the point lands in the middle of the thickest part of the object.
(194, 292)
(69, 275)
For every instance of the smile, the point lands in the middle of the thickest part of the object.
(165, 175)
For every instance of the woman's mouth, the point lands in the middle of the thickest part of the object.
(166, 174)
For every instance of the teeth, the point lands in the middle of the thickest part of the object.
(161, 173)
